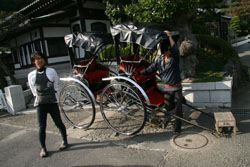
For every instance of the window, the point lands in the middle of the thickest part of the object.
(56, 47)
(37, 46)
(15, 56)
(98, 27)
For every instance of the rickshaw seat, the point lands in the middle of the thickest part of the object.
(95, 71)
(96, 75)
(142, 65)
(155, 97)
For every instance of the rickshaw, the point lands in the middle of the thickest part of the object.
(126, 100)
(77, 98)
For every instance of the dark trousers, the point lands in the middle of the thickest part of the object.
(174, 100)
(42, 112)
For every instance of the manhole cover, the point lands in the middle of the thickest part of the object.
(190, 140)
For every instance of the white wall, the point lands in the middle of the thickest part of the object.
(58, 59)
(56, 31)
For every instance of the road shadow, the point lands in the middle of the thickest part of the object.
(84, 145)
(242, 123)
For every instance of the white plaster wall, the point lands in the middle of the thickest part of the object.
(56, 31)
(58, 59)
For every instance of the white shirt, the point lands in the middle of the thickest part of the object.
(51, 75)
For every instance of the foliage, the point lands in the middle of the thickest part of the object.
(159, 11)
(223, 50)
(241, 9)
(200, 29)
(213, 54)
(210, 66)
(115, 10)
(107, 54)
(235, 24)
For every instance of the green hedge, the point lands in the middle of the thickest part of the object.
(219, 47)
(213, 53)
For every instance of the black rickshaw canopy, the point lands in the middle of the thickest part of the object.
(148, 35)
(90, 42)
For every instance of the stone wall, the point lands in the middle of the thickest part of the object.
(210, 94)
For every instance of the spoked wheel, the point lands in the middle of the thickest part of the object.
(77, 106)
(122, 108)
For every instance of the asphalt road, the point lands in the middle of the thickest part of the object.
(19, 147)
(244, 53)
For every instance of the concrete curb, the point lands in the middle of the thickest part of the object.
(240, 43)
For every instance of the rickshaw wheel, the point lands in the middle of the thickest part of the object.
(122, 108)
(77, 106)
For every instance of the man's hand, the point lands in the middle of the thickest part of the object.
(167, 32)
(170, 38)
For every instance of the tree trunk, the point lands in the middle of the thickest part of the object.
(187, 47)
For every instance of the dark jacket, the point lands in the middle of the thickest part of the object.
(169, 71)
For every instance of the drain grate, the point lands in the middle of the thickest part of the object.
(240, 111)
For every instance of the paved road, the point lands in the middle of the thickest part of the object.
(244, 53)
(19, 146)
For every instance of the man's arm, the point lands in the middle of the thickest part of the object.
(170, 38)
(150, 69)
(31, 83)
(55, 79)
(174, 49)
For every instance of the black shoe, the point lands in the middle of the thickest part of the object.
(63, 146)
(177, 131)
(43, 153)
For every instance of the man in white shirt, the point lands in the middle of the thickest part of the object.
(43, 82)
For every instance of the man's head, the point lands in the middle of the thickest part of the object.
(38, 59)
(165, 46)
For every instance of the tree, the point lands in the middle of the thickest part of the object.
(235, 25)
(241, 9)
(177, 15)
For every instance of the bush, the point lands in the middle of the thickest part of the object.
(200, 29)
(213, 54)
(217, 46)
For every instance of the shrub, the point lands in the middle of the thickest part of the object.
(213, 54)
(218, 47)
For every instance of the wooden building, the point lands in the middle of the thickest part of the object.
(42, 25)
